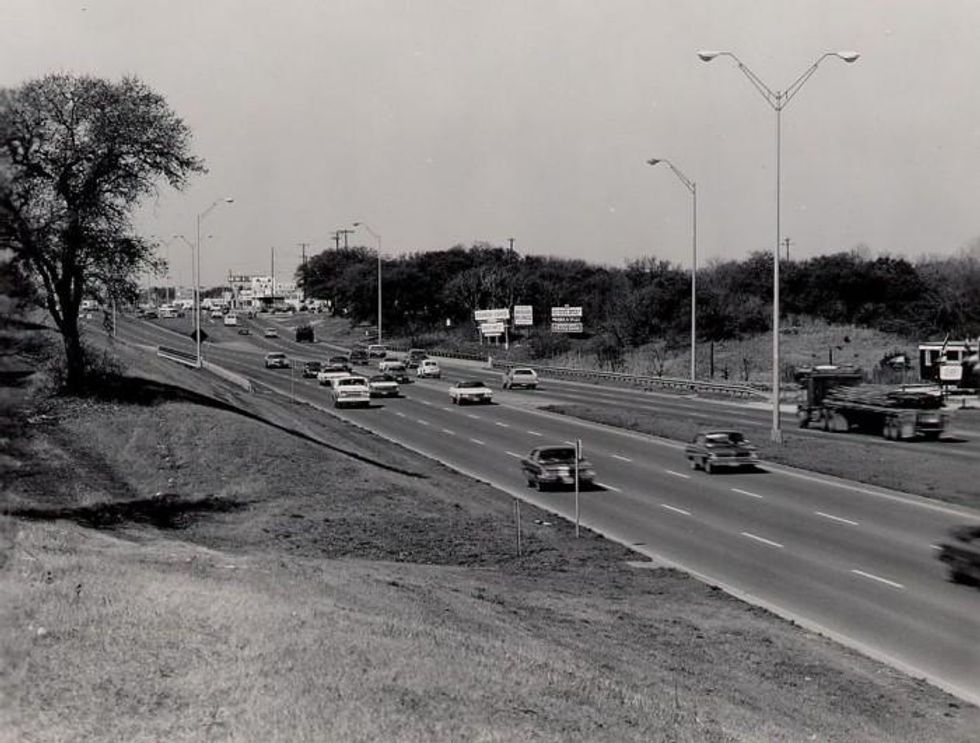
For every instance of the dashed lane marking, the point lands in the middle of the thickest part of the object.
(746, 492)
(878, 578)
(763, 540)
(535, 433)
(477, 441)
(678, 474)
(516, 456)
(621, 459)
(836, 518)
(448, 432)
(609, 487)
(423, 422)
(474, 417)
(399, 413)
(675, 509)
(502, 425)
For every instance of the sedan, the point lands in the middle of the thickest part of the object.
(519, 377)
(552, 466)
(428, 368)
(270, 333)
(715, 450)
(470, 391)
(330, 372)
(383, 385)
(311, 369)
(276, 360)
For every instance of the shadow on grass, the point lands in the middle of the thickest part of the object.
(164, 511)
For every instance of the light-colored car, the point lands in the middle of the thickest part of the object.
(270, 333)
(330, 372)
(415, 355)
(276, 360)
(217, 314)
(715, 450)
(520, 377)
(553, 466)
(377, 351)
(428, 368)
(350, 391)
(389, 361)
(231, 319)
(384, 385)
(470, 390)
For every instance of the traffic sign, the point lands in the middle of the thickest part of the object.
(566, 327)
(563, 313)
(523, 314)
(492, 328)
(491, 315)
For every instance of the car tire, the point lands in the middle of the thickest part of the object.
(708, 467)
(693, 463)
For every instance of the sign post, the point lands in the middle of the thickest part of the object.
(578, 456)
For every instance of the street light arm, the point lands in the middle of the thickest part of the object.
(765, 91)
(374, 234)
(793, 89)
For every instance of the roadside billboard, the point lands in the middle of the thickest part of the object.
(491, 315)
(523, 314)
(492, 328)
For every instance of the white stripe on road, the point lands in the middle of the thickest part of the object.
(887, 582)
(477, 441)
(426, 402)
(447, 431)
(608, 487)
(761, 539)
(516, 456)
(535, 433)
(678, 474)
(746, 492)
(399, 413)
(836, 518)
(621, 459)
(474, 417)
(677, 510)
(502, 425)
(448, 410)
(423, 422)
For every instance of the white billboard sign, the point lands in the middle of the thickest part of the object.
(950, 372)
(492, 328)
(491, 315)
(566, 313)
(566, 327)
(523, 314)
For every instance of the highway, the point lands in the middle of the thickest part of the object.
(854, 562)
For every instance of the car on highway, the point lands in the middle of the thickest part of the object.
(377, 351)
(554, 466)
(311, 369)
(243, 330)
(383, 385)
(350, 391)
(217, 314)
(415, 355)
(428, 369)
(330, 372)
(305, 334)
(340, 360)
(231, 319)
(389, 361)
(149, 314)
(470, 390)
(270, 333)
(276, 360)
(398, 371)
(721, 449)
(520, 377)
(359, 356)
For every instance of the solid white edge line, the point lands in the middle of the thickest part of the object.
(762, 539)
(621, 459)
(746, 492)
(512, 454)
(674, 508)
(477, 441)
(609, 487)
(683, 475)
(836, 518)
(871, 576)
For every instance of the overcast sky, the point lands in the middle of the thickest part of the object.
(440, 122)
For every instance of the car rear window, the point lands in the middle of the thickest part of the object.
(558, 455)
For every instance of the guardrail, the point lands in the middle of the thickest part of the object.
(636, 380)
(174, 354)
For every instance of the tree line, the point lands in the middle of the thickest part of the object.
(649, 299)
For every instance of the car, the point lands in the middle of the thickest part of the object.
(389, 361)
(231, 319)
(552, 466)
(304, 334)
(150, 314)
(415, 355)
(350, 390)
(520, 377)
(428, 368)
(276, 360)
(270, 333)
(244, 331)
(470, 390)
(330, 372)
(311, 369)
(721, 449)
(377, 351)
(398, 371)
(359, 356)
(383, 385)
(217, 314)
(343, 361)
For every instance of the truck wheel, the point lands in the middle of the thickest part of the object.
(803, 419)
(693, 463)
(708, 467)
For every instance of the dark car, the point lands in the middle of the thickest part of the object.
(276, 360)
(311, 369)
(304, 334)
(359, 356)
(554, 466)
(415, 355)
(714, 450)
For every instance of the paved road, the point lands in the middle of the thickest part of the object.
(855, 562)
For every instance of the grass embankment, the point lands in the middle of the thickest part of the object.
(301, 594)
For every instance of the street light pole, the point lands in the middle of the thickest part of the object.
(377, 238)
(693, 188)
(778, 101)
(197, 280)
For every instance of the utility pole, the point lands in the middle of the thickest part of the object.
(303, 247)
(511, 240)
(786, 243)
(345, 233)
(273, 275)
(336, 240)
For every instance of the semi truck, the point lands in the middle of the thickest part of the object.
(837, 400)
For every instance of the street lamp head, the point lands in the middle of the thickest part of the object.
(229, 200)
(654, 161)
(706, 56)
(848, 56)
(356, 224)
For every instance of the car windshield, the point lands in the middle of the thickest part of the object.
(381, 378)
(563, 454)
(312, 364)
(469, 385)
(523, 372)
(350, 381)
(276, 356)
(725, 437)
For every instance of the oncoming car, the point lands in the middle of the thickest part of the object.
(270, 333)
(276, 360)
(470, 390)
(428, 368)
(550, 466)
(519, 377)
(383, 385)
(714, 450)
(330, 372)
(350, 391)
(311, 369)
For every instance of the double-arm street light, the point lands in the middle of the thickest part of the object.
(377, 238)
(693, 188)
(197, 278)
(777, 100)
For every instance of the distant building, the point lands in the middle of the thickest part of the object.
(934, 354)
